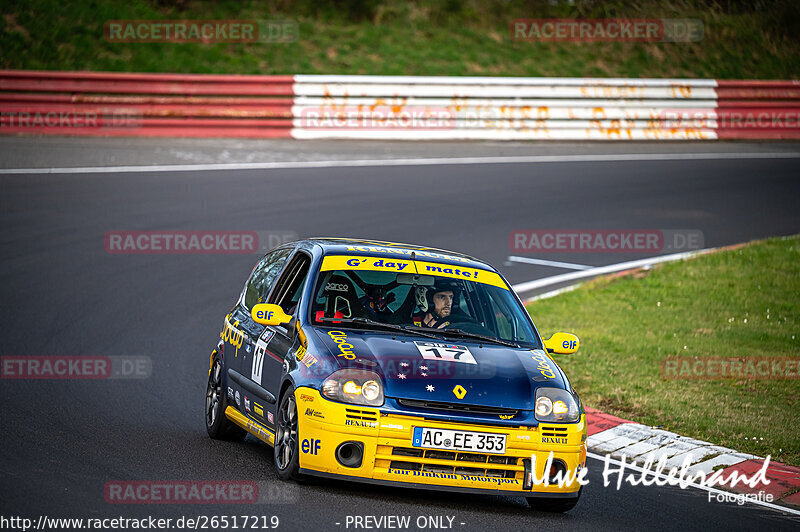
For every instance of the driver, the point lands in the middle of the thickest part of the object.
(438, 305)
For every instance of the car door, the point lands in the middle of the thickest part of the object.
(247, 360)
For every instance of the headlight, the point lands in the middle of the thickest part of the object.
(544, 407)
(555, 404)
(354, 386)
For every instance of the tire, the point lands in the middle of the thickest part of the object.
(551, 505)
(218, 426)
(286, 450)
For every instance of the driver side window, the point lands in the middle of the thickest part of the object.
(264, 274)
(290, 285)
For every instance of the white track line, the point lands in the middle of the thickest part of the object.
(652, 474)
(600, 270)
(405, 162)
(552, 293)
(554, 263)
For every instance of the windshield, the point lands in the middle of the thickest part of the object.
(365, 292)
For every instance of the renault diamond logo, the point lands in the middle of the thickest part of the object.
(459, 391)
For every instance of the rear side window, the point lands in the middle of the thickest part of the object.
(263, 277)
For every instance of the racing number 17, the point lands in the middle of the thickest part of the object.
(448, 353)
(456, 352)
(258, 361)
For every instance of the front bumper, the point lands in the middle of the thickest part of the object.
(390, 457)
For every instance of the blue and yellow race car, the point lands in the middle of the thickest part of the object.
(397, 364)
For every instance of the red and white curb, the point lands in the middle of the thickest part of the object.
(633, 442)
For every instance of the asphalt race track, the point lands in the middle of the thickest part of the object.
(63, 294)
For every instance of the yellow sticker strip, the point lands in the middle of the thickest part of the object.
(460, 272)
(376, 264)
(383, 264)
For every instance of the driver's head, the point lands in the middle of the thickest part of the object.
(441, 296)
(442, 303)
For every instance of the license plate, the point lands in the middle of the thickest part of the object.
(459, 440)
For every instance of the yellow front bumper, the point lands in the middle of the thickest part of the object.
(390, 456)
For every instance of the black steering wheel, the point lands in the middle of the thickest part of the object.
(469, 325)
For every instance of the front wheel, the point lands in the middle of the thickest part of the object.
(217, 425)
(552, 505)
(286, 448)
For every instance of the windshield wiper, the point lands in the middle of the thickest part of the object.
(462, 332)
(419, 331)
(380, 325)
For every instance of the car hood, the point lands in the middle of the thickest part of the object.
(450, 370)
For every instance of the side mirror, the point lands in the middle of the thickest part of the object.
(269, 314)
(562, 343)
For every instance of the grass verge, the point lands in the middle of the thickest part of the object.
(737, 303)
(421, 37)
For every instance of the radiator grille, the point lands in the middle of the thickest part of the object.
(554, 431)
(459, 463)
(361, 415)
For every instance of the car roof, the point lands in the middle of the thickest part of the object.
(344, 246)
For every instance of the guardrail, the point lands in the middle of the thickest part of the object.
(396, 107)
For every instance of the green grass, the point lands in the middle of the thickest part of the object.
(422, 37)
(738, 303)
